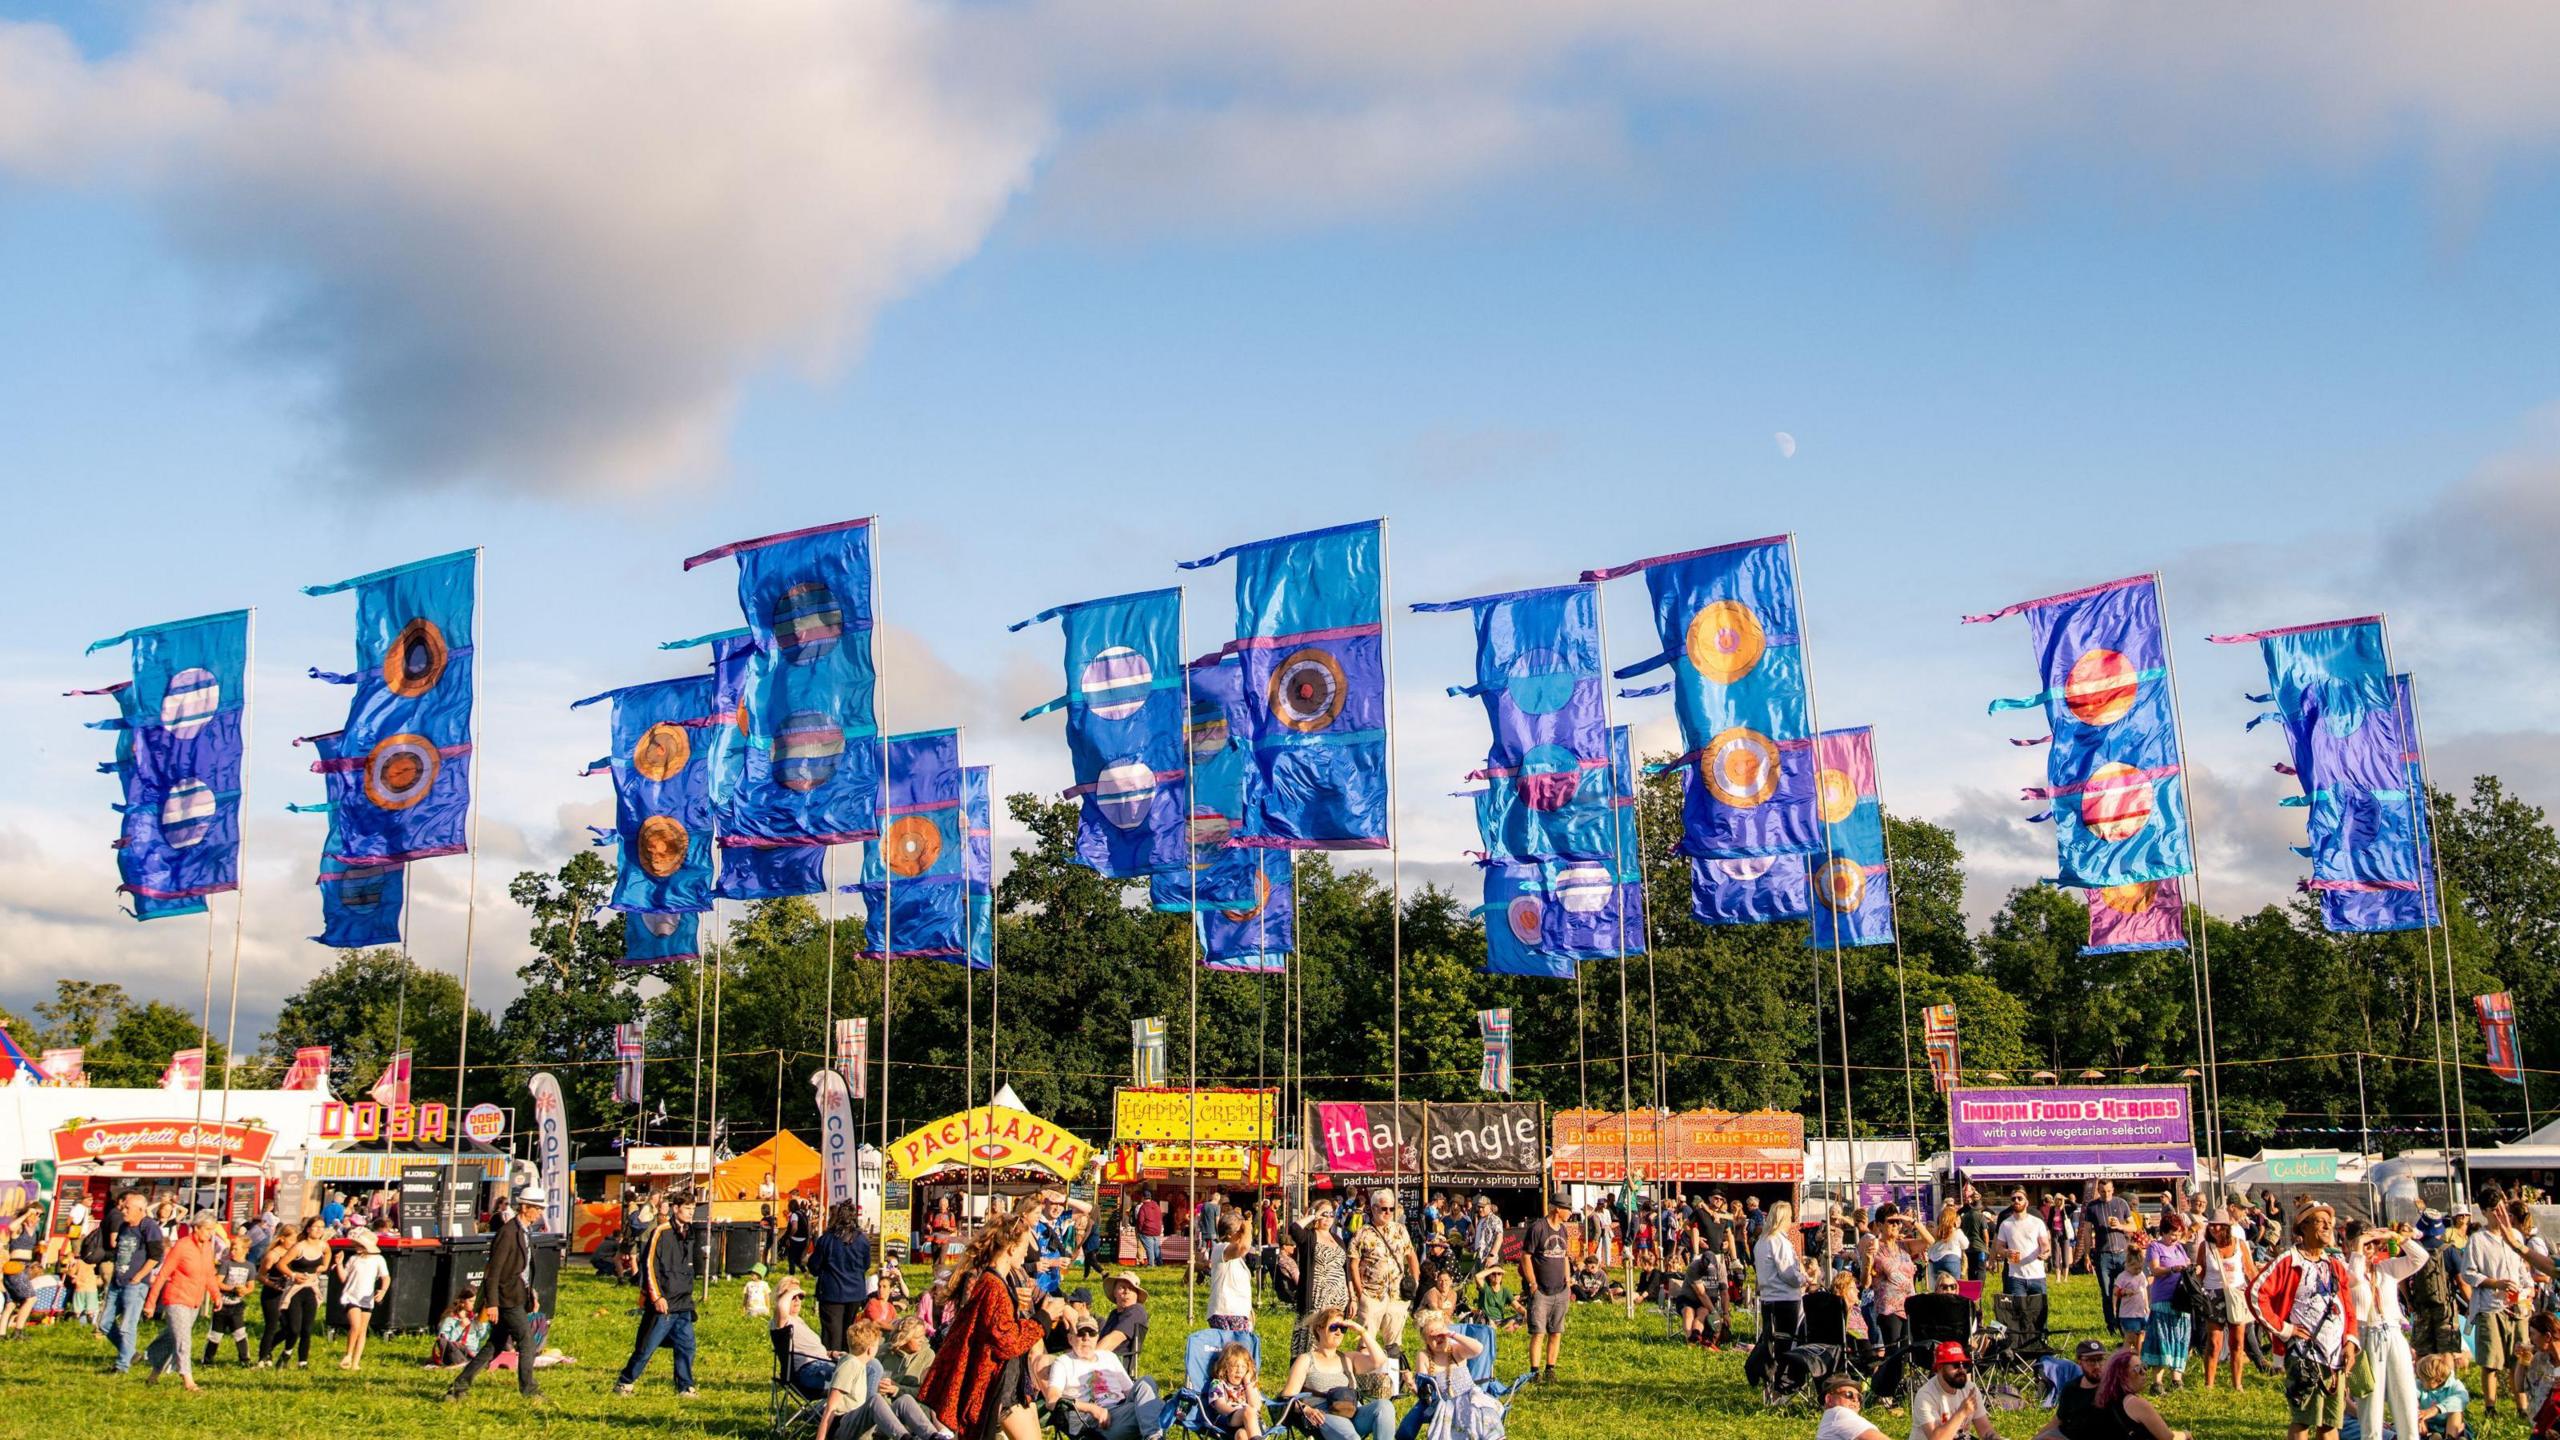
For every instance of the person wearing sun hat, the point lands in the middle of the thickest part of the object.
(1125, 1333)
(363, 1280)
(1949, 1403)
(507, 1290)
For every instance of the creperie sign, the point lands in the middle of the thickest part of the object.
(162, 1142)
(367, 1120)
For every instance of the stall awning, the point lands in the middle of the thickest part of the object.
(384, 1166)
(1997, 1167)
(990, 1137)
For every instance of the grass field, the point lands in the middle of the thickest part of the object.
(1621, 1378)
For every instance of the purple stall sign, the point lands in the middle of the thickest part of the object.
(2073, 1132)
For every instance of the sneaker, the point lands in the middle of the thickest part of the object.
(621, 1388)
(687, 1394)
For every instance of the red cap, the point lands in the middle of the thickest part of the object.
(1951, 1352)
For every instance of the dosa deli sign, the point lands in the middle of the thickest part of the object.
(161, 1146)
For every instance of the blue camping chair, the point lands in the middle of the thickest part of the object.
(1186, 1411)
(1479, 1369)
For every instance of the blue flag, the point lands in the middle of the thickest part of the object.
(660, 939)
(2368, 907)
(769, 872)
(1733, 640)
(178, 761)
(1125, 730)
(977, 786)
(406, 750)
(1539, 672)
(1257, 936)
(1749, 891)
(2114, 772)
(811, 771)
(1310, 611)
(360, 906)
(1222, 777)
(915, 884)
(1853, 888)
(662, 792)
(1516, 901)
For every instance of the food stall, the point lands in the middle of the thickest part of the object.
(89, 1142)
(1178, 1143)
(2070, 1134)
(997, 1150)
(1757, 1154)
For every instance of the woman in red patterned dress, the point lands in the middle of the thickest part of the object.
(979, 1383)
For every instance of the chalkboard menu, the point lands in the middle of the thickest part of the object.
(419, 1185)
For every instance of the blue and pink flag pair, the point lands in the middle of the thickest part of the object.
(1540, 673)
(661, 770)
(360, 905)
(1732, 637)
(399, 773)
(1310, 633)
(2114, 773)
(178, 761)
(809, 766)
(1126, 730)
(2343, 716)
(916, 886)
(2145, 915)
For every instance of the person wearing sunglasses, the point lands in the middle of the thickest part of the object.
(1949, 1404)
(1088, 1391)
(1324, 1386)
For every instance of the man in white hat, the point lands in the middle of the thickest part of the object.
(507, 1297)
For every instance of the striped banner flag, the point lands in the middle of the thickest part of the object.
(185, 1072)
(1938, 1037)
(2498, 1032)
(853, 1056)
(1496, 1028)
(1146, 1051)
(64, 1067)
(393, 1087)
(629, 1057)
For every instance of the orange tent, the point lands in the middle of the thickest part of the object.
(785, 1159)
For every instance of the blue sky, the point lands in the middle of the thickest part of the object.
(1065, 314)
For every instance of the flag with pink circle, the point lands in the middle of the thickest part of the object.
(1125, 730)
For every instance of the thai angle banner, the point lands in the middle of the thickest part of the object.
(2114, 773)
(1311, 632)
(401, 783)
(1125, 730)
(178, 757)
(551, 1150)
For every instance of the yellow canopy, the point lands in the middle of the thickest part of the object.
(995, 1137)
(785, 1159)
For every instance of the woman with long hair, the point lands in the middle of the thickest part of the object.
(2122, 1409)
(841, 1264)
(303, 1266)
(2166, 1338)
(980, 1382)
(1778, 1259)
(1324, 1272)
(1946, 1249)
(1325, 1381)
(2225, 1269)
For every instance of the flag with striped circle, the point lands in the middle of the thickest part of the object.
(1495, 1025)
(1146, 1051)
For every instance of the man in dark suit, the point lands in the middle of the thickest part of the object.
(507, 1298)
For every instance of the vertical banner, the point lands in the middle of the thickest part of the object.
(661, 770)
(310, 1069)
(1126, 731)
(1547, 772)
(393, 1086)
(178, 757)
(1495, 1026)
(551, 1150)
(915, 886)
(2145, 915)
(2498, 1032)
(400, 780)
(1146, 1051)
(1853, 890)
(628, 1056)
(185, 1072)
(836, 1144)
(1938, 1038)
(853, 1055)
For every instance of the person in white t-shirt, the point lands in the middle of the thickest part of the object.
(1950, 1403)
(2025, 1243)
(1840, 1417)
(1088, 1388)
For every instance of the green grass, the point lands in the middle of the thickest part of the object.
(1621, 1378)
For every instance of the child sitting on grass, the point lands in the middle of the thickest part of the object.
(1496, 1305)
(2442, 1397)
(756, 1296)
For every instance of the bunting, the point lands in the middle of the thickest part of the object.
(629, 1057)
(1732, 637)
(662, 792)
(915, 887)
(1853, 889)
(1539, 673)
(1125, 730)
(2498, 1034)
(310, 1069)
(178, 761)
(809, 771)
(1146, 1052)
(1311, 634)
(663, 938)
(1256, 936)
(186, 1070)
(2146, 915)
(400, 774)
(1938, 1039)
(392, 1086)
(2115, 775)
(1495, 1074)
(853, 1055)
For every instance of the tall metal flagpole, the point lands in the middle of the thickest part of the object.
(1191, 925)
(1901, 990)
(827, 1025)
(240, 881)
(888, 905)
(2435, 868)
(1617, 851)
(471, 879)
(1653, 996)
(1581, 1059)
(969, 975)
(1839, 982)
(204, 1044)
(719, 972)
(2410, 745)
(1395, 838)
(2201, 970)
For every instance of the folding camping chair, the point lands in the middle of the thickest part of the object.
(2010, 1358)
(1932, 1319)
(789, 1415)
(1186, 1410)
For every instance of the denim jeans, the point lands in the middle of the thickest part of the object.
(2109, 1267)
(2012, 1285)
(674, 1329)
(1375, 1420)
(1153, 1246)
(123, 1316)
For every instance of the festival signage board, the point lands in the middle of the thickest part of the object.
(1251, 1164)
(1759, 1147)
(1194, 1117)
(995, 1137)
(162, 1147)
(384, 1166)
(2064, 1132)
(484, 1123)
(1476, 1144)
(2315, 1168)
(363, 1120)
(1368, 1137)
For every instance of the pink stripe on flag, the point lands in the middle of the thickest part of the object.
(2082, 593)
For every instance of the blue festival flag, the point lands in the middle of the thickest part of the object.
(1222, 872)
(1853, 887)
(915, 884)
(1256, 937)
(1310, 629)
(1539, 672)
(1750, 891)
(2369, 907)
(1125, 730)
(2333, 692)
(769, 872)
(2115, 775)
(661, 939)
(178, 761)
(1516, 902)
(978, 864)
(406, 747)
(811, 771)
(662, 792)
(1733, 639)
(360, 905)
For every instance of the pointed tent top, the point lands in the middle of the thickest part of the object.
(1006, 1098)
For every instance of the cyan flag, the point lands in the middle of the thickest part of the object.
(178, 761)
(915, 885)
(1853, 887)
(1539, 672)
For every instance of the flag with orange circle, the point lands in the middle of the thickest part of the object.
(2145, 915)
(915, 886)
(662, 792)
(1851, 884)
(401, 787)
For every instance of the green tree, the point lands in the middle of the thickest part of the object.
(575, 990)
(137, 1050)
(370, 1004)
(81, 1012)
